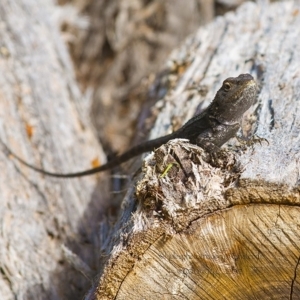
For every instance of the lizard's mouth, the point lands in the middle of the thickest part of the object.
(251, 83)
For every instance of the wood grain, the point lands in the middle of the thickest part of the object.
(245, 252)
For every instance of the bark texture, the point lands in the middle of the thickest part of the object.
(193, 231)
(43, 118)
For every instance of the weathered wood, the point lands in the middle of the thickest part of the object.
(245, 252)
(218, 233)
(43, 119)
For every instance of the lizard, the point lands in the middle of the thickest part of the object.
(210, 129)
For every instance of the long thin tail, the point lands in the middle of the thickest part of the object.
(137, 150)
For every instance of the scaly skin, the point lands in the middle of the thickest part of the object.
(209, 130)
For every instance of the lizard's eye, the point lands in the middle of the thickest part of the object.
(227, 86)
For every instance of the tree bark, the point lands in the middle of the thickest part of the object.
(44, 120)
(194, 231)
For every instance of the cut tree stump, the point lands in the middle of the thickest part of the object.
(189, 230)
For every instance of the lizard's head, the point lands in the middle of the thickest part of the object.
(235, 97)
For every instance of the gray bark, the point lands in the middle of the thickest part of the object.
(43, 120)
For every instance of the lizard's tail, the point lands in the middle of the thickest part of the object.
(137, 150)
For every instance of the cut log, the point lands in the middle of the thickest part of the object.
(194, 231)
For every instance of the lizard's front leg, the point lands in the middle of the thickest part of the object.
(212, 139)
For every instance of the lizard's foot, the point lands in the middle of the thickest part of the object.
(258, 139)
(251, 141)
